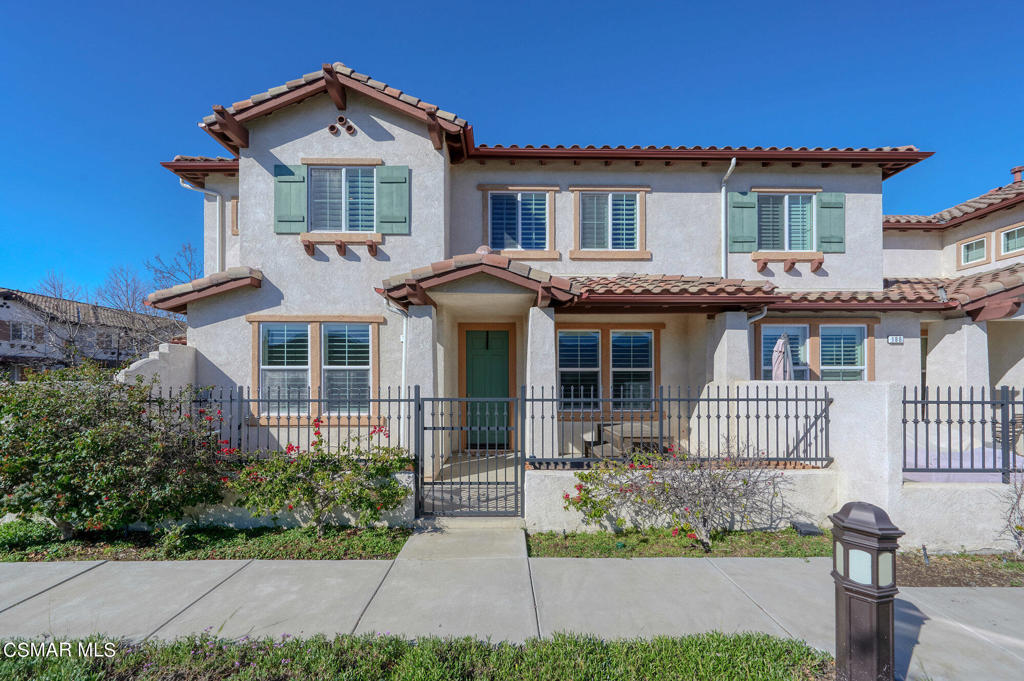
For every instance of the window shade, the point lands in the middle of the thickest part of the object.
(797, 343)
(326, 198)
(579, 350)
(800, 221)
(346, 345)
(285, 345)
(594, 221)
(624, 221)
(842, 346)
(534, 217)
(359, 206)
(770, 225)
(632, 349)
(503, 221)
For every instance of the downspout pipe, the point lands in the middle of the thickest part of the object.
(405, 357)
(220, 219)
(725, 235)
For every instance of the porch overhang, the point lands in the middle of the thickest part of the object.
(177, 298)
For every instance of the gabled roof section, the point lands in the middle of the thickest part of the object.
(989, 202)
(195, 169)
(227, 124)
(88, 314)
(177, 298)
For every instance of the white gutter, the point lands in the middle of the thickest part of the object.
(725, 236)
(405, 357)
(220, 220)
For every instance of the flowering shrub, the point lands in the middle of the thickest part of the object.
(695, 497)
(312, 484)
(85, 452)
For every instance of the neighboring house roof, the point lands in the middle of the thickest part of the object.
(177, 298)
(227, 126)
(88, 314)
(989, 202)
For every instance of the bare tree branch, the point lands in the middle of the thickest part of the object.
(62, 322)
(184, 266)
(141, 327)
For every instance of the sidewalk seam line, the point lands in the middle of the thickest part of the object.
(744, 592)
(374, 594)
(533, 593)
(950, 618)
(54, 586)
(208, 592)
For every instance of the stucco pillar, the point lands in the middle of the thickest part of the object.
(541, 380)
(898, 363)
(729, 347)
(421, 340)
(957, 353)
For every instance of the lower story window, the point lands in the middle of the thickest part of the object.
(284, 369)
(796, 337)
(579, 369)
(346, 371)
(842, 353)
(632, 369)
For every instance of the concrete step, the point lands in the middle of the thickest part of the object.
(443, 544)
(469, 523)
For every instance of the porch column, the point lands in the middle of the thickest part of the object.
(957, 353)
(541, 379)
(901, 362)
(421, 360)
(729, 347)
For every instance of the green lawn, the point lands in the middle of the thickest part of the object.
(31, 541)
(661, 543)
(705, 657)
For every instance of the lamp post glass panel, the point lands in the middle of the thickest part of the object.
(863, 568)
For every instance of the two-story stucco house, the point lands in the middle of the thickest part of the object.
(597, 269)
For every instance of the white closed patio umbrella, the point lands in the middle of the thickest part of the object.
(782, 360)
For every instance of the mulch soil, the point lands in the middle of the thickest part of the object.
(958, 570)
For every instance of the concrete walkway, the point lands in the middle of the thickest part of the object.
(479, 582)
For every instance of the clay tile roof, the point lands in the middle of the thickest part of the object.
(999, 197)
(180, 158)
(177, 297)
(660, 284)
(482, 256)
(90, 314)
(345, 72)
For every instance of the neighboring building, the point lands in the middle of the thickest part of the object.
(40, 332)
(616, 270)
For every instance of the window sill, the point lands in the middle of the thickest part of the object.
(789, 259)
(576, 254)
(346, 237)
(514, 254)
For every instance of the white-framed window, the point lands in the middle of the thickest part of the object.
(1011, 241)
(579, 369)
(796, 336)
(609, 221)
(284, 368)
(785, 222)
(518, 220)
(342, 199)
(346, 368)
(632, 369)
(843, 355)
(25, 332)
(972, 251)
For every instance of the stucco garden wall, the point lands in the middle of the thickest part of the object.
(171, 364)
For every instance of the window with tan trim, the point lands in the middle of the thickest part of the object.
(609, 223)
(519, 220)
(823, 349)
(973, 251)
(1011, 241)
(315, 366)
(617, 360)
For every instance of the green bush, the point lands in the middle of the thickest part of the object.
(85, 452)
(18, 535)
(313, 484)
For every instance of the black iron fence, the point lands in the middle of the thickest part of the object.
(962, 434)
(470, 452)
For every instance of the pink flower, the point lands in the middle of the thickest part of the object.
(675, 531)
(691, 535)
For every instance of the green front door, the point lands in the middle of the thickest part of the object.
(487, 376)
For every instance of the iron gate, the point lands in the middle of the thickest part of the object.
(468, 455)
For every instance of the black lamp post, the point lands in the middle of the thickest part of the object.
(863, 567)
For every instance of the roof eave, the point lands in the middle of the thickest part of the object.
(959, 220)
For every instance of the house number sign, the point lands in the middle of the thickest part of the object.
(895, 340)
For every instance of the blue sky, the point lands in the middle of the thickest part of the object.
(97, 94)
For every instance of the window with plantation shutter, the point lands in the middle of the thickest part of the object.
(579, 369)
(284, 369)
(346, 368)
(609, 221)
(785, 222)
(842, 353)
(632, 369)
(341, 199)
(518, 220)
(796, 336)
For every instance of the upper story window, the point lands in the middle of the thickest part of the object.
(341, 199)
(785, 222)
(26, 332)
(284, 368)
(518, 220)
(973, 251)
(1011, 241)
(609, 221)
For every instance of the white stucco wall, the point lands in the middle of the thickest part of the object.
(977, 227)
(912, 254)
(958, 353)
(1006, 352)
(228, 187)
(172, 365)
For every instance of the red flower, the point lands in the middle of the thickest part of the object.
(691, 535)
(632, 465)
(675, 531)
(209, 418)
(106, 498)
(686, 509)
(143, 411)
(567, 496)
(219, 412)
(579, 486)
(224, 442)
(289, 507)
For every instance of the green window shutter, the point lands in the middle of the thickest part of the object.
(289, 199)
(742, 222)
(393, 199)
(832, 222)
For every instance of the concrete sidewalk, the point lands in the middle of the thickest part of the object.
(480, 583)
